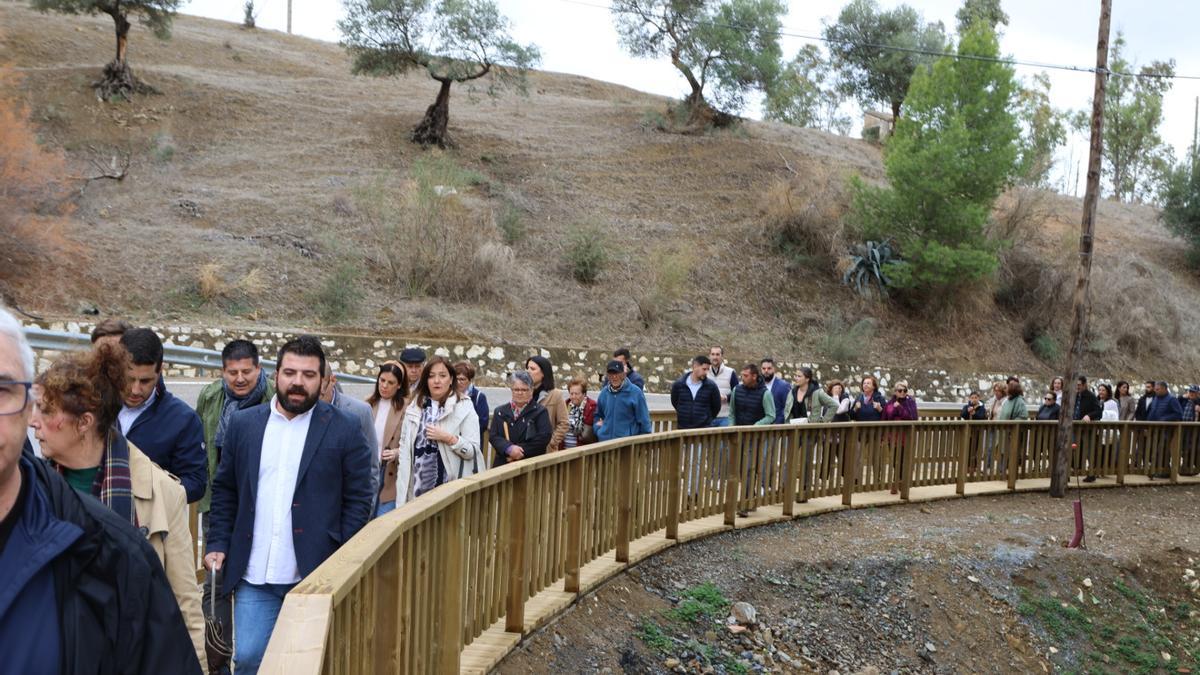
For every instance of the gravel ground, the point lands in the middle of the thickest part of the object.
(976, 585)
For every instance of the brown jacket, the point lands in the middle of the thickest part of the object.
(162, 513)
(556, 404)
(391, 441)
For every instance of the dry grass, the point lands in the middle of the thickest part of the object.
(805, 214)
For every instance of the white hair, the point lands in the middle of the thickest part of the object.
(11, 328)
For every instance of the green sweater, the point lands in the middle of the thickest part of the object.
(768, 406)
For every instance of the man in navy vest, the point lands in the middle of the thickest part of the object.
(293, 485)
(160, 425)
(751, 403)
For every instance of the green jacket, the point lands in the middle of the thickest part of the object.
(1014, 409)
(208, 406)
(821, 406)
(768, 406)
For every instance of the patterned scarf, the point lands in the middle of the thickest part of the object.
(113, 485)
(233, 404)
(575, 417)
(430, 415)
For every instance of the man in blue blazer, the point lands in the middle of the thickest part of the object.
(293, 484)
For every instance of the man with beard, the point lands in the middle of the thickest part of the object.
(776, 385)
(294, 484)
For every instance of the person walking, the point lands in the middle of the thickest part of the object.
(158, 423)
(520, 428)
(777, 385)
(1049, 409)
(901, 407)
(1126, 403)
(837, 390)
(1142, 412)
(581, 413)
(76, 401)
(387, 409)
(83, 590)
(621, 409)
(293, 485)
(413, 361)
(725, 379)
(751, 404)
(695, 397)
(549, 397)
(624, 356)
(439, 437)
(359, 410)
(808, 401)
(973, 409)
(464, 383)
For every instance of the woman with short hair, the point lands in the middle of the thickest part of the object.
(76, 402)
(520, 428)
(868, 405)
(581, 413)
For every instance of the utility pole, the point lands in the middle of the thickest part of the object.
(1080, 305)
(289, 17)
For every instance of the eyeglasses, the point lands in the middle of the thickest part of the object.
(1049, 399)
(14, 396)
(901, 390)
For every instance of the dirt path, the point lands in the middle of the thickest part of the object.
(979, 585)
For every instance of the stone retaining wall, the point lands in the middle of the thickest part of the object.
(361, 355)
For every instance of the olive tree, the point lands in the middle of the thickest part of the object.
(451, 40)
(118, 80)
(723, 48)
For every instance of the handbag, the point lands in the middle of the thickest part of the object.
(218, 649)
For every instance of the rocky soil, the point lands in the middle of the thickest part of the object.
(980, 585)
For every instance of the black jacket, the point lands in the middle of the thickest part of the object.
(532, 431)
(1049, 412)
(116, 611)
(979, 414)
(695, 412)
(1087, 404)
(1142, 411)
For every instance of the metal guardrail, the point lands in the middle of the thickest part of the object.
(40, 338)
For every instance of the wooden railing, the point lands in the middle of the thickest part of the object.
(452, 580)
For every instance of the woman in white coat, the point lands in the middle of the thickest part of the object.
(439, 437)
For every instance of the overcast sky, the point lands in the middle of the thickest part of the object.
(577, 36)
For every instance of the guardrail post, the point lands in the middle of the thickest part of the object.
(675, 486)
(514, 618)
(964, 453)
(1014, 440)
(793, 471)
(1176, 444)
(574, 523)
(451, 634)
(733, 481)
(850, 465)
(907, 453)
(624, 501)
(1123, 447)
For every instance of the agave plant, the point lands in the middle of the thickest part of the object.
(865, 267)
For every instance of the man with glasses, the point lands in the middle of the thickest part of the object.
(83, 590)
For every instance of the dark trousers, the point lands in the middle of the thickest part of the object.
(220, 611)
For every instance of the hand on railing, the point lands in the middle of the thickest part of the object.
(214, 561)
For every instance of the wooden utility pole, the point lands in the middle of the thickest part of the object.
(289, 17)
(1080, 303)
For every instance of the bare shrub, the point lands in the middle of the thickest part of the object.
(805, 216)
(664, 282)
(430, 242)
(35, 200)
(210, 282)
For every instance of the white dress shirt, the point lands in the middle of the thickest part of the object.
(272, 550)
(128, 415)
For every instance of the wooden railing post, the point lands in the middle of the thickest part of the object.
(674, 487)
(907, 453)
(1123, 448)
(850, 464)
(964, 453)
(574, 524)
(1014, 440)
(624, 500)
(1176, 444)
(733, 481)
(792, 473)
(514, 618)
(454, 534)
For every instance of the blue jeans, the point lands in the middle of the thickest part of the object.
(255, 609)
(385, 507)
(721, 422)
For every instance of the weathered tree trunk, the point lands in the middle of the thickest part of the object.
(1060, 462)
(118, 79)
(432, 128)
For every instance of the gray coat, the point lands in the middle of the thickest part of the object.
(360, 411)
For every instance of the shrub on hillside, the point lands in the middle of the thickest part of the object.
(34, 199)
(665, 280)
(805, 216)
(843, 342)
(587, 252)
(339, 297)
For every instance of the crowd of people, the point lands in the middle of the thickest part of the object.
(285, 469)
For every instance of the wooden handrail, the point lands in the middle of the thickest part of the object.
(416, 588)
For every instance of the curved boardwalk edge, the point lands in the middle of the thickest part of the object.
(455, 580)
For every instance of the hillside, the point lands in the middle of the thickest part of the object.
(251, 172)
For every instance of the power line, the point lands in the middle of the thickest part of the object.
(916, 50)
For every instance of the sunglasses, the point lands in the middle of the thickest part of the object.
(901, 390)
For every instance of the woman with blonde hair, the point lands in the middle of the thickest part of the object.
(76, 401)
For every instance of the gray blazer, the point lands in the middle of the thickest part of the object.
(362, 412)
